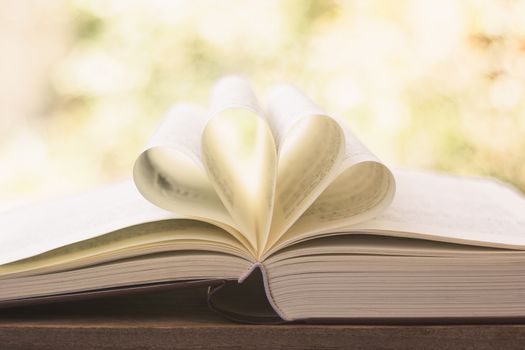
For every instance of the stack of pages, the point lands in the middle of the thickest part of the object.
(285, 192)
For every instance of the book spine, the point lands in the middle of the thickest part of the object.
(247, 299)
(267, 289)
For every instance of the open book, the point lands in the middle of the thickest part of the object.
(284, 203)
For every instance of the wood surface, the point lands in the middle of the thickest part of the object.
(181, 319)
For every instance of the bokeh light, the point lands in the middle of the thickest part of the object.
(425, 84)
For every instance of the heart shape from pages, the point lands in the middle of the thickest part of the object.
(268, 178)
(170, 174)
(311, 148)
(239, 154)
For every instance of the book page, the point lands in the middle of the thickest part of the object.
(361, 192)
(359, 285)
(357, 188)
(137, 271)
(442, 207)
(44, 226)
(130, 242)
(364, 188)
(40, 227)
(454, 209)
(240, 157)
(310, 147)
(170, 173)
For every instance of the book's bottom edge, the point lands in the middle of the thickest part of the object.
(111, 292)
(262, 314)
(423, 321)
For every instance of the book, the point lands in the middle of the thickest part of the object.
(285, 214)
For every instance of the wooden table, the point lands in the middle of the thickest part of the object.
(181, 319)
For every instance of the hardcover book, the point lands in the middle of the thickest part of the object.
(285, 214)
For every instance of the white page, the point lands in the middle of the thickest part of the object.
(453, 208)
(240, 157)
(170, 173)
(43, 226)
(441, 207)
(310, 147)
(287, 105)
(364, 188)
(356, 188)
(360, 193)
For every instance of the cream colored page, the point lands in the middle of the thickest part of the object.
(240, 157)
(359, 189)
(144, 239)
(182, 129)
(41, 227)
(363, 189)
(355, 150)
(452, 208)
(358, 194)
(170, 172)
(287, 105)
(310, 148)
(233, 92)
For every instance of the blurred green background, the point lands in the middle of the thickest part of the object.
(425, 84)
